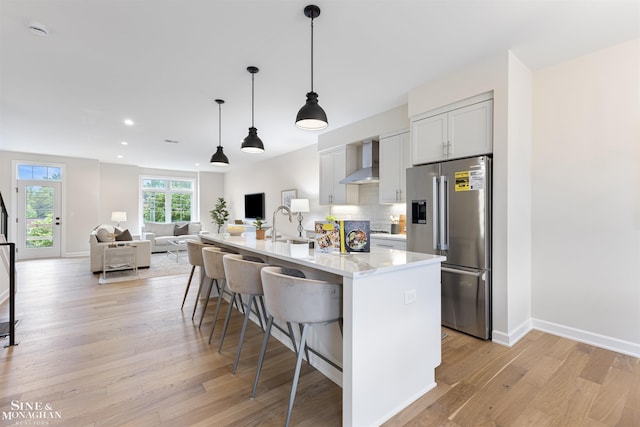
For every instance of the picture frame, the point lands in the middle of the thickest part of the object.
(287, 195)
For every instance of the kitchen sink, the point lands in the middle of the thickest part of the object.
(293, 240)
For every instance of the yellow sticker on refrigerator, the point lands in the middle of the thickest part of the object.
(470, 180)
(462, 181)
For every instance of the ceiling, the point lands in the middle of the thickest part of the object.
(163, 62)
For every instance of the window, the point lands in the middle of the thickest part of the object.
(167, 199)
(39, 173)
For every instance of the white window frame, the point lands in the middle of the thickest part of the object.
(168, 192)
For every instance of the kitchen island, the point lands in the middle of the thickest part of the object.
(391, 309)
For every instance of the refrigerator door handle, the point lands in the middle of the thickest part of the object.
(467, 273)
(444, 212)
(435, 219)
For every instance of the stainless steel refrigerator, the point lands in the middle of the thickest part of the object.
(449, 213)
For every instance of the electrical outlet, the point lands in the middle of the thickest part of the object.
(410, 296)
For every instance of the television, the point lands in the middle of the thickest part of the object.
(254, 205)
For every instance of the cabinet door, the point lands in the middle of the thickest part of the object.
(326, 178)
(395, 158)
(405, 162)
(429, 139)
(334, 166)
(471, 130)
(390, 159)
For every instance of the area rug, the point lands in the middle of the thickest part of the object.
(162, 264)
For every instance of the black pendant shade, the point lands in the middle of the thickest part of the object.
(252, 143)
(219, 159)
(311, 116)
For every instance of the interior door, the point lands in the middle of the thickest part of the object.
(38, 219)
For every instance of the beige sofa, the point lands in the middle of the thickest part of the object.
(103, 236)
(159, 234)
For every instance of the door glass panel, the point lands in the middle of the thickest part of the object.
(39, 217)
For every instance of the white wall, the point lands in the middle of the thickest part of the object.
(586, 190)
(211, 186)
(293, 171)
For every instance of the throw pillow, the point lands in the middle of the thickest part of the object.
(123, 235)
(105, 233)
(181, 231)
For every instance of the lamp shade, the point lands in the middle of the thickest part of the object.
(311, 116)
(252, 143)
(299, 205)
(117, 216)
(218, 158)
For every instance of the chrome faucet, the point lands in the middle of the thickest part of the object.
(274, 235)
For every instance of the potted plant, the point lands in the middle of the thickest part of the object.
(259, 230)
(220, 214)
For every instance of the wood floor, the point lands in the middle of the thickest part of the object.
(124, 354)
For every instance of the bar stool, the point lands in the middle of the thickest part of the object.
(243, 278)
(214, 268)
(194, 254)
(299, 300)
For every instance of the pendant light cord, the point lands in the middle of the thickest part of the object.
(311, 54)
(219, 124)
(252, 97)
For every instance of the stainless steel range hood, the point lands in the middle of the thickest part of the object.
(369, 171)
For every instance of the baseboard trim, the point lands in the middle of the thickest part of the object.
(516, 335)
(602, 341)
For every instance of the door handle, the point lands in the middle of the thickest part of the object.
(444, 211)
(435, 218)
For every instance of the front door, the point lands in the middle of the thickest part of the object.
(38, 219)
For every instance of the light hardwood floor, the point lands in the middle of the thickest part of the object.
(124, 354)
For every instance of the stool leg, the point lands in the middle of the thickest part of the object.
(306, 350)
(186, 291)
(206, 302)
(226, 323)
(197, 297)
(296, 376)
(244, 329)
(293, 339)
(263, 351)
(255, 304)
(215, 316)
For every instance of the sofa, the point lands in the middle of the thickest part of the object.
(104, 235)
(159, 234)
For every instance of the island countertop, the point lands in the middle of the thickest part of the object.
(348, 265)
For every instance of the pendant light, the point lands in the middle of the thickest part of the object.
(252, 143)
(311, 116)
(219, 159)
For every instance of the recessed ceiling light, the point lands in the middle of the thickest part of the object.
(38, 29)
(120, 156)
(124, 143)
(128, 122)
(197, 164)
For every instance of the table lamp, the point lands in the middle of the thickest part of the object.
(299, 206)
(117, 216)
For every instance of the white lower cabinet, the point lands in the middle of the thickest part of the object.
(395, 158)
(388, 243)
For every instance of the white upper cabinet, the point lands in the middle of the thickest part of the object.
(334, 166)
(395, 158)
(462, 132)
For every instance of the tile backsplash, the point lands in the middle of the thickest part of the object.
(369, 208)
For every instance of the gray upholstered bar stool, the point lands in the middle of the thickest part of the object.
(298, 300)
(243, 278)
(194, 254)
(214, 269)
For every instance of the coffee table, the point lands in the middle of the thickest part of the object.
(177, 246)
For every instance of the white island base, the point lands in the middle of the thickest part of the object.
(391, 309)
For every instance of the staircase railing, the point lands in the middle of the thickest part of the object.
(4, 231)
